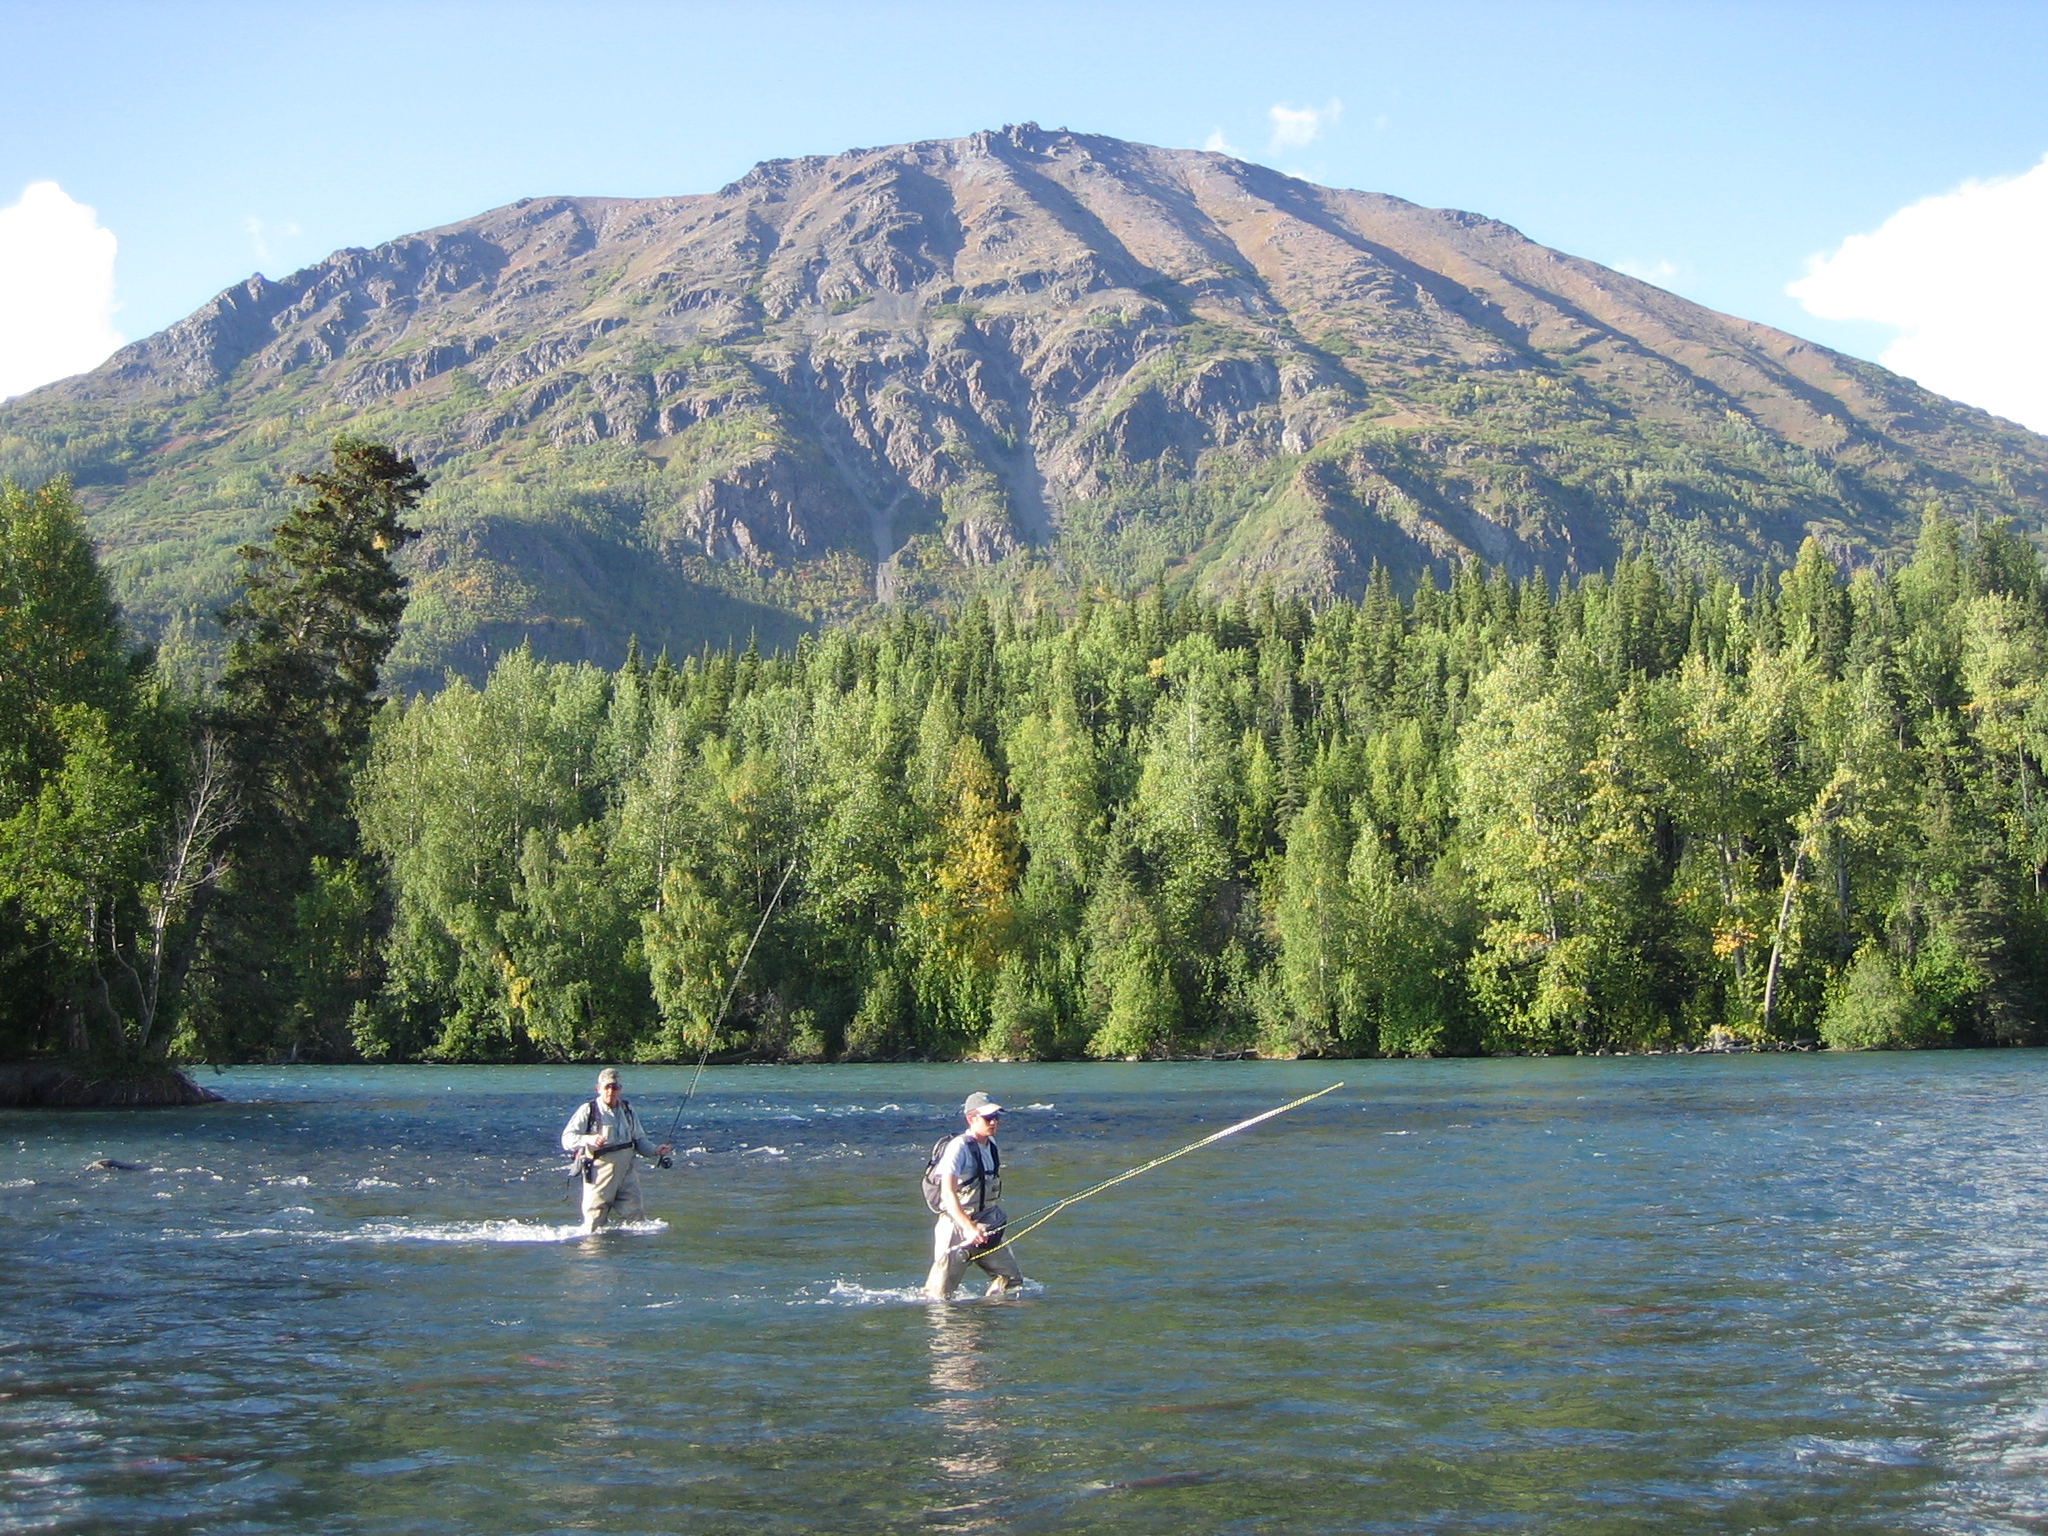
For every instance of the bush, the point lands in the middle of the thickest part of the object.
(1873, 1010)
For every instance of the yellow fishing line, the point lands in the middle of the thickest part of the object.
(1193, 1146)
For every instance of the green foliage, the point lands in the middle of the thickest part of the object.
(1318, 925)
(1872, 1009)
(100, 862)
(1620, 814)
(1624, 813)
(60, 640)
(319, 612)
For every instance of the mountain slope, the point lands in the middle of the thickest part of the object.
(1022, 358)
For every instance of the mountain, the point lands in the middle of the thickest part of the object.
(1023, 360)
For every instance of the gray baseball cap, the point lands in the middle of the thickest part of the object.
(608, 1075)
(980, 1104)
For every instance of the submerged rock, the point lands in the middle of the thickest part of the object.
(54, 1085)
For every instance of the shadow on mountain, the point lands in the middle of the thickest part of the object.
(573, 594)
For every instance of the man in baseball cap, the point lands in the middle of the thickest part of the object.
(605, 1138)
(968, 1173)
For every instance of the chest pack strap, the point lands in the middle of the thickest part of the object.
(594, 1121)
(983, 1172)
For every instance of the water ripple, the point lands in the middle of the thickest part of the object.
(1694, 1294)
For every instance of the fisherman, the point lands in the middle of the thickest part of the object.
(605, 1138)
(969, 1176)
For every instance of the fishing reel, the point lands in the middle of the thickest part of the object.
(667, 1161)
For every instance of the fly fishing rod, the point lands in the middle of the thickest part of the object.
(1046, 1213)
(711, 1033)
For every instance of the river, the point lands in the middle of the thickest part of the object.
(1706, 1293)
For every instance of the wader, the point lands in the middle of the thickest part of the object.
(949, 1264)
(981, 1200)
(612, 1190)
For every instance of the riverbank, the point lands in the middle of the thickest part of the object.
(59, 1085)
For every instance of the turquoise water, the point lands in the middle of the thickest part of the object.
(1714, 1294)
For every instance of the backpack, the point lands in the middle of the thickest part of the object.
(932, 1184)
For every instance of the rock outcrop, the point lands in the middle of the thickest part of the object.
(55, 1085)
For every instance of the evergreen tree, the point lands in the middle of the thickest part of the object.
(1816, 612)
(318, 614)
(1628, 813)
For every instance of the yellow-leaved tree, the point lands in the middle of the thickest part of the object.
(966, 916)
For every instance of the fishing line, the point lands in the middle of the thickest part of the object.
(711, 1034)
(1050, 1211)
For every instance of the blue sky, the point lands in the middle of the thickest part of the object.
(1714, 148)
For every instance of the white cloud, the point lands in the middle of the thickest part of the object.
(1963, 276)
(56, 289)
(1216, 144)
(261, 234)
(1299, 127)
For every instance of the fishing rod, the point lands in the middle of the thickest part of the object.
(711, 1034)
(1046, 1213)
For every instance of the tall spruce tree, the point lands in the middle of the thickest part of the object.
(319, 612)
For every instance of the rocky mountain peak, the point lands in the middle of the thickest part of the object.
(1030, 357)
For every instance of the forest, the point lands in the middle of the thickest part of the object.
(1636, 810)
